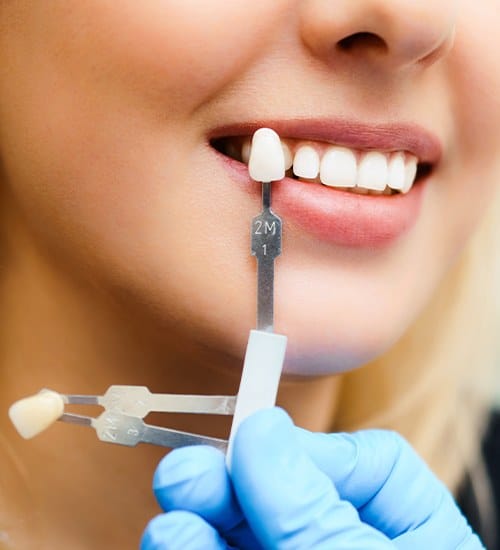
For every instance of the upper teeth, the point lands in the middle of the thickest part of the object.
(335, 166)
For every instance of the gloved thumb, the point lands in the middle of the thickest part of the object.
(287, 500)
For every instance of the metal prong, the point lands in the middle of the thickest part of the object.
(266, 247)
(122, 429)
(125, 406)
(266, 195)
(139, 401)
(174, 438)
(82, 399)
(76, 419)
(197, 404)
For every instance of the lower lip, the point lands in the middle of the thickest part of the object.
(335, 216)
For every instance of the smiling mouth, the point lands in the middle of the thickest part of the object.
(335, 169)
(366, 171)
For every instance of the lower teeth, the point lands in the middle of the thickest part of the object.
(356, 190)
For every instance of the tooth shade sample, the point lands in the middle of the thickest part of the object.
(338, 167)
(247, 147)
(267, 161)
(373, 171)
(288, 156)
(306, 162)
(410, 173)
(397, 171)
(35, 414)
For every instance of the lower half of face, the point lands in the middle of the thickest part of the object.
(107, 151)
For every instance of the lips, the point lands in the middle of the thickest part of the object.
(339, 217)
(387, 137)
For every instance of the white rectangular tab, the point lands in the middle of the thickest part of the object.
(260, 378)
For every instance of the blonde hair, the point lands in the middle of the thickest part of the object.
(436, 385)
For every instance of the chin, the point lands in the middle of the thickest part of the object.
(309, 363)
(318, 355)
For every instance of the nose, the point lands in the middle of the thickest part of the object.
(392, 34)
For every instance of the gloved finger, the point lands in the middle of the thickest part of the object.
(181, 531)
(443, 529)
(390, 485)
(287, 500)
(196, 479)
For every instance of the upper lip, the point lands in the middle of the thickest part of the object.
(406, 136)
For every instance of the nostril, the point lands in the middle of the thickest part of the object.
(364, 40)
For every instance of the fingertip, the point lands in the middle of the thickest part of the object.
(195, 479)
(186, 463)
(269, 431)
(339, 444)
(154, 534)
(264, 436)
(180, 530)
(264, 423)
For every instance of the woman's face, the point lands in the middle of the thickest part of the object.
(108, 116)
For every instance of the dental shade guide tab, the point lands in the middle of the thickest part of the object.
(121, 422)
(265, 353)
(266, 164)
(126, 406)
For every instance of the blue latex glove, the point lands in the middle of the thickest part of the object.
(302, 490)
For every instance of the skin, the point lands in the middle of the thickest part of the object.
(124, 242)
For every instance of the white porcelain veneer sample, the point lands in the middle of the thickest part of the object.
(32, 415)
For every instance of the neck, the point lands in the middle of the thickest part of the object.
(65, 335)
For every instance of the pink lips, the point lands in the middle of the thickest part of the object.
(333, 215)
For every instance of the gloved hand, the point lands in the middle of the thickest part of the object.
(290, 488)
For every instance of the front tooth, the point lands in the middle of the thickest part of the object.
(372, 171)
(397, 171)
(288, 156)
(267, 161)
(306, 162)
(410, 172)
(338, 167)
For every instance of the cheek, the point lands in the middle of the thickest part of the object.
(179, 53)
(471, 174)
(162, 54)
(476, 102)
